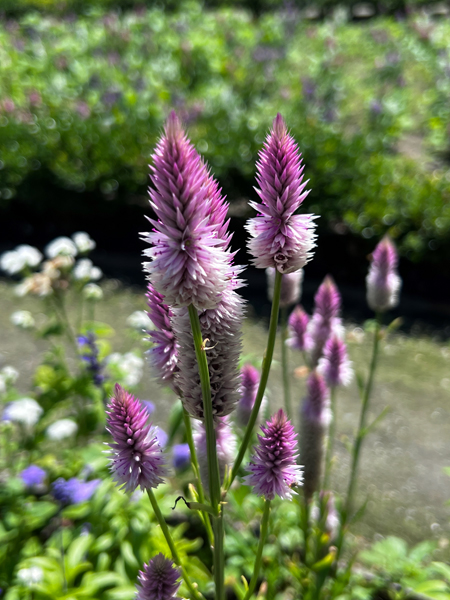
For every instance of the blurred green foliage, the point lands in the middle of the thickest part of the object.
(84, 98)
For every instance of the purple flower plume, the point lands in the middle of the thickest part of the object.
(383, 282)
(325, 320)
(158, 580)
(291, 287)
(315, 418)
(279, 238)
(221, 327)
(137, 456)
(33, 475)
(334, 365)
(273, 467)
(74, 491)
(89, 354)
(181, 456)
(226, 448)
(297, 326)
(189, 264)
(163, 356)
(249, 388)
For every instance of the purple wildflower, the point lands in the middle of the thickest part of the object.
(280, 239)
(249, 388)
(297, 326)
(291, 287)
(74, 491)
(273, 467)
(149, 406)
(383, 282)
(188, 262)
(181, 456)
(226, 447)
(33, 475)
(89, 354)
(325, 320)
(161, 436)
(334, 365)
(315, 418)
(221, 327)
(158, 580)
(163, 356)
(137, 456)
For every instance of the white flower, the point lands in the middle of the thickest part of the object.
(139, 320)
(39, 284)
(61, 245)
(9, 374)
(84, 269)
(92, 291)
(59, 430)
(30, 576)
(29, 254)
(11, 262)
(130, 365)
(22, 318)
(83, 242)
(26, 411)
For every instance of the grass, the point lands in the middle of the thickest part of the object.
(402, 469)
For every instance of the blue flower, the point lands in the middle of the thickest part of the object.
(33, 475)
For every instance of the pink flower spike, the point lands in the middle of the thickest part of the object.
(249, 389)
(137, 456)
(297, 326)
(334, 365)
(383, 282)
(280, 238)
(226, 448)
(163, 356)
(158, 580)
(189, 262)
(273, 466)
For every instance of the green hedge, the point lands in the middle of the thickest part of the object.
(84, 99)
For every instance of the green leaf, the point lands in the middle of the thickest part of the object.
(78, 550)
(441, 568)
(128, 555)
(98, 328)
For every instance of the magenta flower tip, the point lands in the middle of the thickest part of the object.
(158, 580)
(297, 326)
(334, 365)
(383, 282)
(249, 388)
(316, 406)
(273, 466)
(279, 238)
(137, 456)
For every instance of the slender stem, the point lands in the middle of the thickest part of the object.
(196, 469)
(170, 543)
(262, 541)
(330, 441)
(362, 421)
(264, 376)
(63, 560)
(285, 362)
(213, 463)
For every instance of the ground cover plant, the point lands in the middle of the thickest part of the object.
(87, 539)
(84, 100)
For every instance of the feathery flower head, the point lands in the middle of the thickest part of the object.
(273, 466)
(279, 238)
(249, 387)
(383, 282)
(334, 365)
(221, 326)
(315, 418)
(158, 580)
(297, 326)
(137, 456)
(163, 356)
(325, 320)
(226, 447)
(189, 264)
(291, 286)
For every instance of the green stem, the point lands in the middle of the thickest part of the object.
(285, 362)
(170, 543)
(362, 421)
(64, 320)
(267, 361)
(196, 469)
(262, 541)
(330, 442)
(213, 463)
